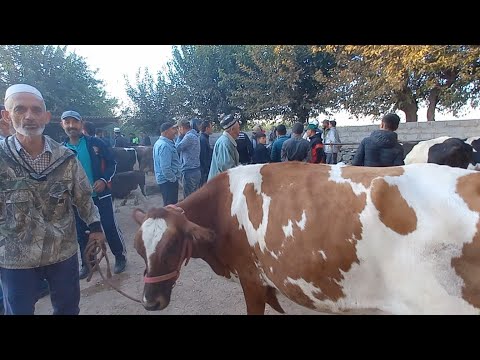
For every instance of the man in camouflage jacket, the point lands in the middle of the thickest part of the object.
(40, 180)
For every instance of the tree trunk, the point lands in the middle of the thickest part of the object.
(408, 105)
(433, 98)
(410, 111)
(303, 116)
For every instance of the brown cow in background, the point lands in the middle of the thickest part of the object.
(145, 158)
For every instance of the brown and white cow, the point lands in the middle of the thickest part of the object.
(402, 240)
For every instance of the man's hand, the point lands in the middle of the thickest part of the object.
(99, 186)
(97, 237)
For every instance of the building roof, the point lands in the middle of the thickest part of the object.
(97, 120)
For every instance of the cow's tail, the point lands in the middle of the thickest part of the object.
(272, 300)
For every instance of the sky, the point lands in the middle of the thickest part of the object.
(115, 61)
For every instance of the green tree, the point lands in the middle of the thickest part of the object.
(283, 80)
(197, 74)
(374, 79)
(63, 78)
(151, 103)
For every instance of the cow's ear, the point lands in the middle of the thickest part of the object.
(199, 234)
(139, 216)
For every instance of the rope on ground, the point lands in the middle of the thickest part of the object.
(92, 250)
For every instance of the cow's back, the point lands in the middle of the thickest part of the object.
(348, 238)
(126, 158)
(419, 153)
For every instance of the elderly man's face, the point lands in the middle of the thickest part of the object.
(235, 130)
(27, 114)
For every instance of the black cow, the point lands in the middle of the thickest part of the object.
(126, 158)
(452, 152)
(124, 183)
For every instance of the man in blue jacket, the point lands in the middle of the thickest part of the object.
(99, 164)
(188, 147)
(166, 163)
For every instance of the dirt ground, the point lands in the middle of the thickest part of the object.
(199, 291)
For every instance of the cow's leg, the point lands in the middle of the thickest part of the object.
(255, 296)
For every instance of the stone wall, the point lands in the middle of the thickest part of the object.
(416, 131)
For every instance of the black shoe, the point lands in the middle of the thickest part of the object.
(83, 272)
(120, 264)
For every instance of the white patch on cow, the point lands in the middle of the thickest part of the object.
(234, 277)
(239, 177)
(336, 176)
(475, 167)
(288, 229)
(308, 289)
(419, 153)
(323, 254)
(412, 274)
(152, 233)
(472, 139)
(271, 269)
(263, 276)
(303, 221)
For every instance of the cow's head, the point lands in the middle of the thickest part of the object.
(165, 240)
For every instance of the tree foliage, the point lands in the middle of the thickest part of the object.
(151, 102)
(374, 79)
(63, 78)
(282, 80)
(197, 74)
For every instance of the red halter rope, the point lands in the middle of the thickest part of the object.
(186, 255)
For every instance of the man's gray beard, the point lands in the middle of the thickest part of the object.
(38, 131)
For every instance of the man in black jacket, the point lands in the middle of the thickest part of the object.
(381, 148)
(205, 150)
(99, 164)
(245, 148)
(261, 154)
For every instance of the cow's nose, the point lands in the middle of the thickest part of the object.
(159, 303)
(151, 306)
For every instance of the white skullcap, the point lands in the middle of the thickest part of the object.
(22, 88)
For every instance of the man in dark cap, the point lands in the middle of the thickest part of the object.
(225, 155)
(98, 161)
(166, 163)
